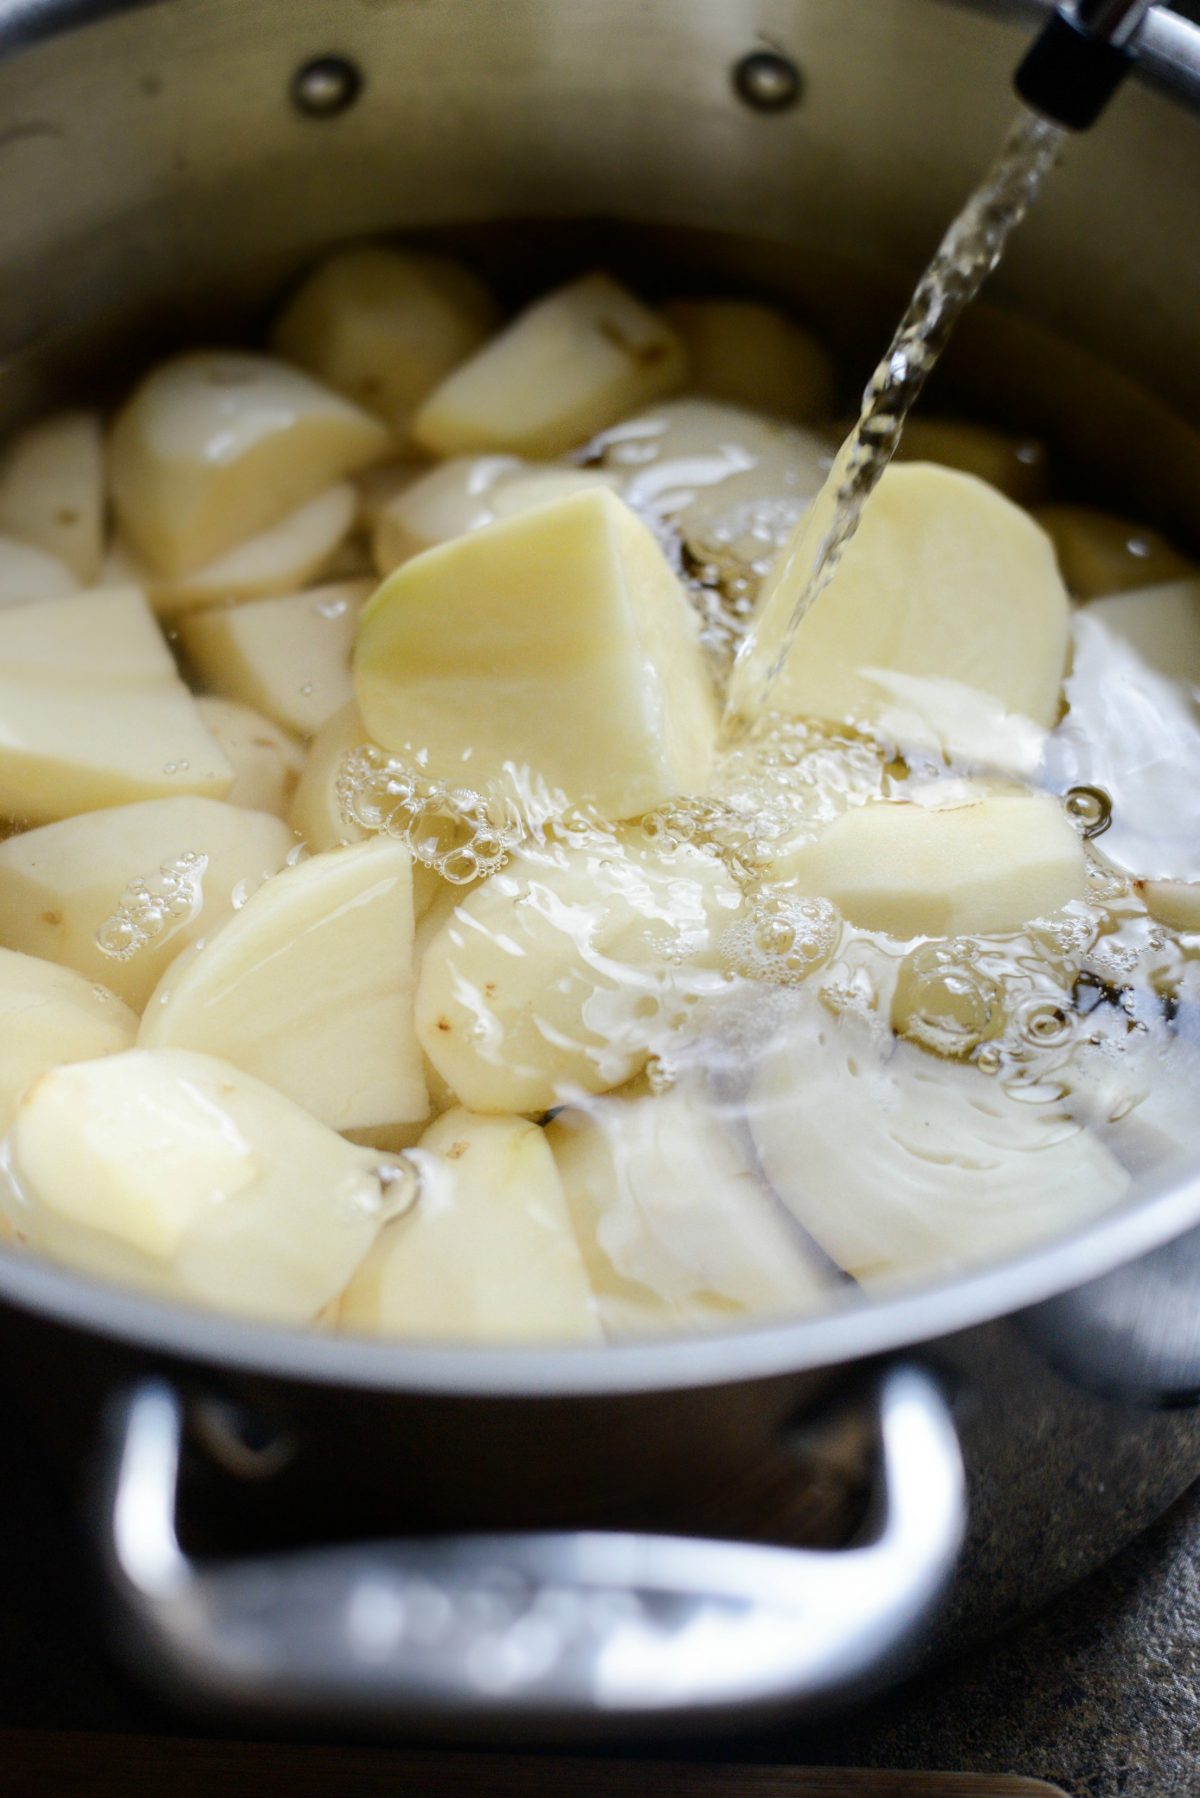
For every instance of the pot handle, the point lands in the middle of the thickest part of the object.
(581, 1630)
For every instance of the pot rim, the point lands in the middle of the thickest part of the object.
(1169, 53)
(1170, 60)
(859, 1330)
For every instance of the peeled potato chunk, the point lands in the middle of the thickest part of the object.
(754, 355)
(1099, 553)
(52, 490)
(1017, 466)
(279, 560)
(180, 1174)
(487, 1253)
(28, 573)
(384, 326)
(566, 969)
(1162, 623)
(946, 579)
(49, 1015)
(62, 884)
(903, 1166)
(988, 865)
(676, 1224)
(441, 503)
(557, 642)
(94, 712)
(315, 813)
(1175, 903)
(266, 761)
(288, 657)
(309, 986)
(572, 363)
(466, 493)
(218, 445)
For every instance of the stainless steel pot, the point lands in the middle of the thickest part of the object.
(154, 156)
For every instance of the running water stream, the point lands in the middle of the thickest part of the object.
(966, 256)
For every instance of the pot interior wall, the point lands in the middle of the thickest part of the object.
(161, 185)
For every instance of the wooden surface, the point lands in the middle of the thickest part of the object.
(56, 1762)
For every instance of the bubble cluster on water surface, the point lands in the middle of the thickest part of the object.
(462, 834)
(783, 940)
(944, 1000)
(152, 907)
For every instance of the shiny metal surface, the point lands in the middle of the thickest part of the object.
(160, 182)
(584, 1629)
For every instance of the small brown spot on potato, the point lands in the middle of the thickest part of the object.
(52, 917)
(444, 1024)
(457, 1150)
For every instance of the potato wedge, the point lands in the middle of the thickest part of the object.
(52, 490)
(568, 968)
(94, 711)
(266, 761)
(181, 1175)
(487, 1254)
(570, 364)
(754, 355)
(384, 326)
(558, 642)
(288, 657)
(945, 579)
(61, 885)
(218, 445)
(991, 864)
(309, 986)
(50, 1015)
(677, 1227)
(903, 1166)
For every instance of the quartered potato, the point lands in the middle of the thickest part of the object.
(218, 445)
(754, 355)
(571, 364)
(288, 657)
(990, 864)
(69, 886)
(266, 761)
(28, 573)
(93, 711)
(180, 1174)
(466, 493)
(309, 986)
(1173, 902)
(902, 1166)
(278, 560)
(315, 813)
(565, 970)
(1161, 623)
(558, 642)
(486, 1254)
(1099, 553)
(1017, 466)
(50, 1015)
(733, 483)
(946, 579)
(384, 326)
(677, 1226)
(52, 490)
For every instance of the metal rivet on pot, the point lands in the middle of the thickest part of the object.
(767, 81)
(326, 86)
